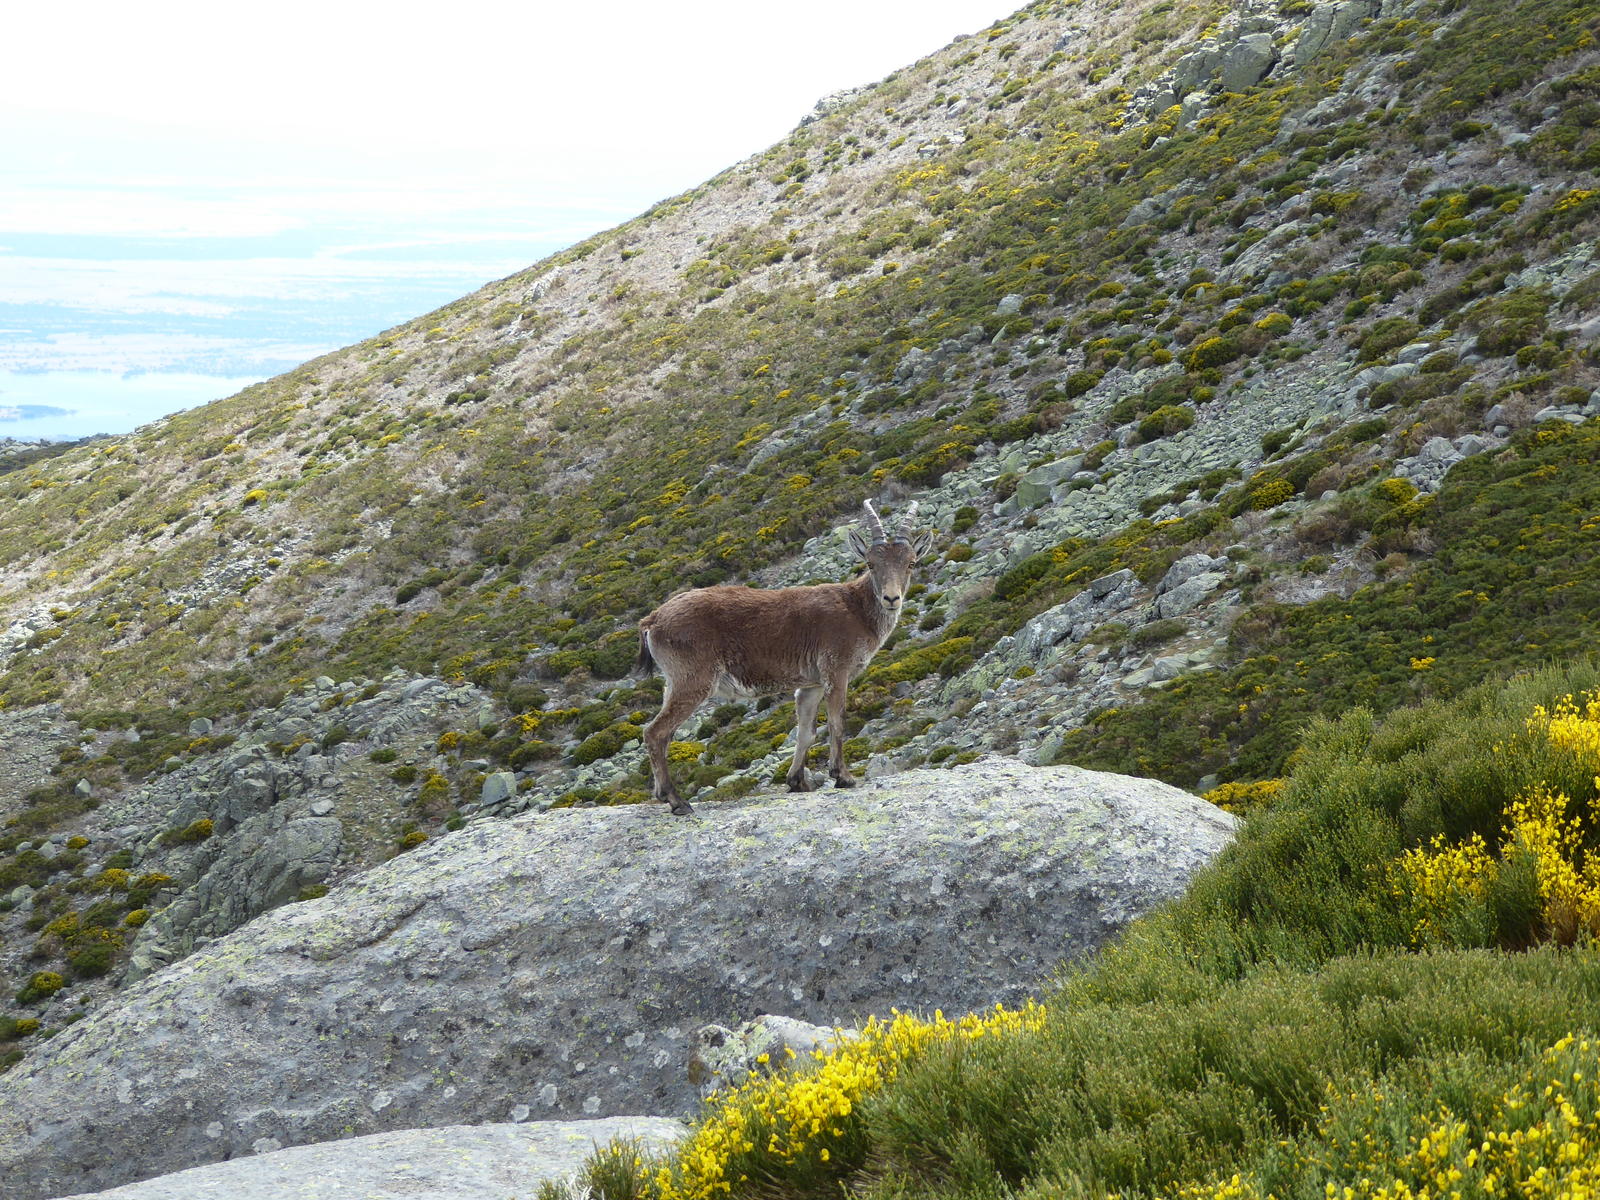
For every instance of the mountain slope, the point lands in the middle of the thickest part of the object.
(1175, 313)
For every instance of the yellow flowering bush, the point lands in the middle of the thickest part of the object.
(1444, 882)
(1543, 1139)
(1572, 728)
(807, 1119)
(1271, 494)
(1242, 798)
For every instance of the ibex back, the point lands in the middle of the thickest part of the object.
(734, 641)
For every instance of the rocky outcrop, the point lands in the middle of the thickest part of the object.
(457, 1162)
(291, 801)
(560, 963)
(1237, 54)
(1328, 23)
(1188, 582)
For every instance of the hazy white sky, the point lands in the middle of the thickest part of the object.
(409, 110)
(222, 190)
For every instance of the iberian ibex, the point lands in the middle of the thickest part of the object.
(738, 641)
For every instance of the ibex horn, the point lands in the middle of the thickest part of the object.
(902, 529)
(875, 525)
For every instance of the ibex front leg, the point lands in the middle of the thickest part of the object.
(838, 693)
(806, 701)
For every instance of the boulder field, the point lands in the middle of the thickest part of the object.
(558, 965)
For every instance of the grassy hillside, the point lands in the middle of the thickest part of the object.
(496, 490)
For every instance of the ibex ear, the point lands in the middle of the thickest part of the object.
(921, 543)
(858, 543)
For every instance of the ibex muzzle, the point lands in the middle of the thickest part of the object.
(812, 640)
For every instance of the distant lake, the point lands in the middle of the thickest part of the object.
(78, 403)
(104, 333)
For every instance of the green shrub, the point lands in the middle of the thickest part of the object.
(1508, 323)
(197, 830)
(1276, 440)
(93, 957)
(1384, 336)
(40, 986)
(532, 752)
(1080, 382)
(1213, 352)
(605, 743)
(1271, 494)
(1156, 633)
(1167, 420)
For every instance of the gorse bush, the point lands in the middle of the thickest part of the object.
(1540, 1137)
(1543, 881)
(807, 1125)
(1288, 1080)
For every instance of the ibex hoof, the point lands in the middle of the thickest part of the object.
(799, 782)
(681, 807)
(845, 780)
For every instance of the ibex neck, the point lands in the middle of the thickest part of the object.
(873, 615)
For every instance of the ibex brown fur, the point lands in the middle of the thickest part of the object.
(733, 641)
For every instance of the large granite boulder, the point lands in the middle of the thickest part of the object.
(456, 1162)
(560, 964)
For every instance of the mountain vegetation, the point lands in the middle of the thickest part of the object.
(1242, 359)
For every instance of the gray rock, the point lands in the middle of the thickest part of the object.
(1034, 488)
(1009, 305)
(1188, 567)
(1246, 62)
(1168, 667)
(560, 960)
(914, 366)
(455, 1162)
(1438, 449)
(267, 862)
(1373, 376)
(498, 787)
(1330, 23)
(1188, 595)
(1560, 412)
(1072, 619)
(200, 726)
(29, 738)
(1107, 584)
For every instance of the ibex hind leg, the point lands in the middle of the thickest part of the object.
(676, 707)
